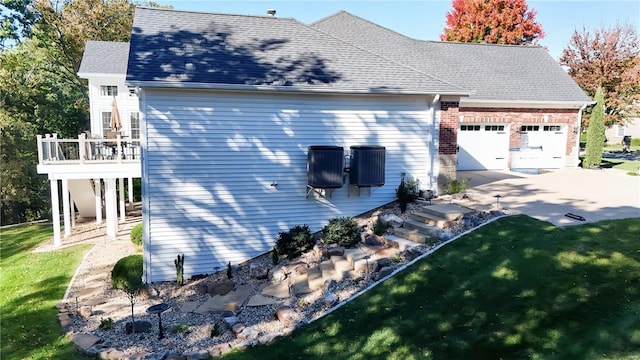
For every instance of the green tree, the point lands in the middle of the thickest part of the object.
(595, 133)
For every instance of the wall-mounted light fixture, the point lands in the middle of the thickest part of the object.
(274, 184)
(575, 128)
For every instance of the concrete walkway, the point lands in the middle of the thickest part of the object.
(594, 194)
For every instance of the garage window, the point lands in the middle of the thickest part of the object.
(551, 128)
(530, 128)
(470, 128)
(494, 128)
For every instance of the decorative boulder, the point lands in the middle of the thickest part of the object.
(286, 315)
(220, 287)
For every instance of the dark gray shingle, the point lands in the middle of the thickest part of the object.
(492, 72)
(104, 57)
(184, 48)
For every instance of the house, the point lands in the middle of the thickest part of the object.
(250, 125)
(616, 133)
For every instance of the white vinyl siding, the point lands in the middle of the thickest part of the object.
(211, 158)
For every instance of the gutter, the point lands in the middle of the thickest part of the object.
(287, 89)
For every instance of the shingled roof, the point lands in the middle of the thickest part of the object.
(502, 73)
(196, 49)
(104, 57)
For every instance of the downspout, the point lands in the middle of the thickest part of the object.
(578, 132)
(435, 158)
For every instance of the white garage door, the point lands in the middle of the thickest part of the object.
(548, 142)
(483, 147)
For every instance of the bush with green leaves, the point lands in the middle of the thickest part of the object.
(294, 242)
(403, 194)
(379, 227)
(595, 133)
(342, 231)
(136, 234)
(127, 276)
(456, 186)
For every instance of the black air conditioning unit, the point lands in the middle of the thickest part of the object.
(325, 167)
(367, 166)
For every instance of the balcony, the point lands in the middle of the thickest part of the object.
(88, 158)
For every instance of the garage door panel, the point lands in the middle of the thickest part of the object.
(483, 147)
(549, 141)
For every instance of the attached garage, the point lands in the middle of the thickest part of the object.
(483, 147)
(542, 146)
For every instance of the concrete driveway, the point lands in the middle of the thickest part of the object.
(593, 194)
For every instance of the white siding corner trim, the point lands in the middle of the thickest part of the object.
(210, 159)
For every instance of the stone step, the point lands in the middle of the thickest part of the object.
(430, 219)
(341, 264)
(426, 230)
(314, 278)
(449, 212)
(301, 285)
(410, 235)
(360, 260)
(400, 243)
(329, 272)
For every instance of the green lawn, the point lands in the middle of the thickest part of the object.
(518, 288)
(31, 285)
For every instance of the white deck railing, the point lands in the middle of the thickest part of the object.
(54, 151)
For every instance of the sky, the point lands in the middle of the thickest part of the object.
(425, 19)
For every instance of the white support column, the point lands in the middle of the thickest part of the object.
(73, 214)
(121, 198)
(111, 207)
(130, 188)
(55, 212)
(66, 208)
(98, 192)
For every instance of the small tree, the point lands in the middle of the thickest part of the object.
(595, 133)
(127, 276)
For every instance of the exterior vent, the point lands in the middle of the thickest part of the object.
(367, 166)
(325, 167)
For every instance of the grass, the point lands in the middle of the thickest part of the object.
(31, 285)
(517, 288)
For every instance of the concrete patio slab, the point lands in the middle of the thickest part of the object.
(593, 194)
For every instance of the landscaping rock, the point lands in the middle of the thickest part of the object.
(222, 287)
(330, 299)
(260, 300)
(267, 338)
(286, 315)
(84, 341)
(382, 262)
(385, 271)
(231, 320)
(248, 333)
(373, 240)
(237, 328)
(141, 326)
(84, 311)
(411, 254)
(335, 251)
(298, 268)
(278, 276)
(258, 272)
(391, 220)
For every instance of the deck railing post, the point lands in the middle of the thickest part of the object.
(119, 148)
(40, 155)
(48, 146)
(82, 147)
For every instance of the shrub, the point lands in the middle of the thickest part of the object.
(456, 186)
(595, 133)
(379, 227)
(403, 195)
(342, 231)
(106, 324)
(181, 328)
(136, 234)
(127, 276)
(294, 242)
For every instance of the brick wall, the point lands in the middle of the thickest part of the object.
(515, 117)
(449, 119)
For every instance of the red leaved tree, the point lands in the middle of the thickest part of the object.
(492, 21)
(610, 58)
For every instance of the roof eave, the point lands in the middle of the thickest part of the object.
(86, 75)
(524, 104)
(290, 89)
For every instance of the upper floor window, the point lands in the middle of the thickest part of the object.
(135, 125)
(132, 91)
(108, 90)
(106, 122)
(621, 131)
